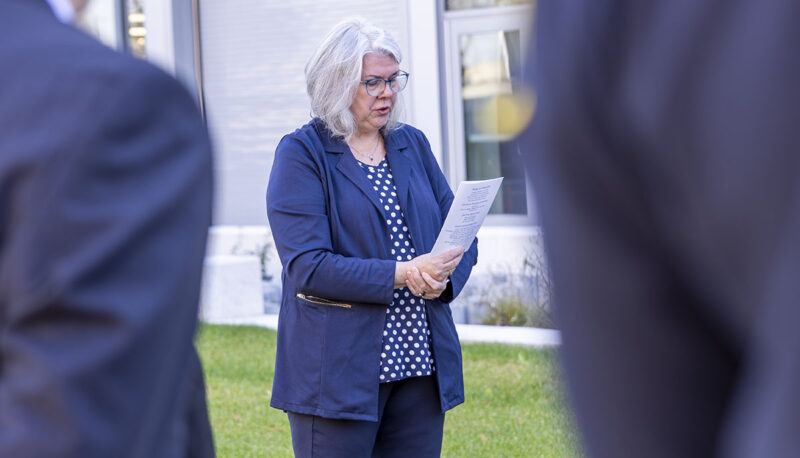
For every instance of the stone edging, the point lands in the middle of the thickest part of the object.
(533, 337)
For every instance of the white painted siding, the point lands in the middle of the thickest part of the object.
(253, 56)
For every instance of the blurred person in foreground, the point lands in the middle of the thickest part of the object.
(105, 187)
(665, 156)
(368, 357)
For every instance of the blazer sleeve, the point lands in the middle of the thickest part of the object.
(444, 197)
(102, 274)
(298, 217)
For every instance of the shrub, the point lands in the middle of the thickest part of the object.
(520, 299)
(262, 250)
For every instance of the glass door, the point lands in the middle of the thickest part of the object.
(484, 51)
(136, 29)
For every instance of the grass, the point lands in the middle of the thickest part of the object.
(514, 402)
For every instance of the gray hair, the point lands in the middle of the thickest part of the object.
(333, 73)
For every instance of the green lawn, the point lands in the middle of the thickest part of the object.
(514, 400)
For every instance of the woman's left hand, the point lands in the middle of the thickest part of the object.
(421, 284)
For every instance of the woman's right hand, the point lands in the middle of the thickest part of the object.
(440, 266)
(423, 285)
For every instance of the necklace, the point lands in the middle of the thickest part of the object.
(371, 155)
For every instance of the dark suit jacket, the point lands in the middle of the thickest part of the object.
(105, 187)
(331, 236)
(665, 157)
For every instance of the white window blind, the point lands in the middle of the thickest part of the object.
(253, 56)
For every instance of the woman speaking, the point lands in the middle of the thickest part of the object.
(368, 357)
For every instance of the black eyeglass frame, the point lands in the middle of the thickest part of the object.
(385, 82)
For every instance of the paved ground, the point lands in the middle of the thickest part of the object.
(533, 337)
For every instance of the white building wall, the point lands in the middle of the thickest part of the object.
(250, 110)
(253, 57)
(160, 33)
(423, 56)
(100, 18)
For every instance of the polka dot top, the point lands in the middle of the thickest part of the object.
(405, 349)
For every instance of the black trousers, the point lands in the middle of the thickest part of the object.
(410, 424)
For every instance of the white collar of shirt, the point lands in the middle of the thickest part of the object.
(63, 10)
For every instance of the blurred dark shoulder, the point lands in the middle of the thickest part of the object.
(61, 79)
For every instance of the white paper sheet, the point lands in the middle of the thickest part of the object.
(470, 207)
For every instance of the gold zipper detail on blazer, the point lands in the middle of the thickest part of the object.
(323, 301)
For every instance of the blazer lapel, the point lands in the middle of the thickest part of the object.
(402, 172)
(348, 166)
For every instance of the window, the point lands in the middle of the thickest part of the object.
(468, 4)
(135, 29)
(483, 68)
(490, 67)
(119, 24)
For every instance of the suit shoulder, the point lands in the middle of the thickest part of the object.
(305, 137)
(411, 134)
(307, 130)
(144, 79)
(112, 71)
(56, 58)
(414, 138)
(408, 130)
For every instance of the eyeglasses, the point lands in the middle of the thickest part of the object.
(376, 86)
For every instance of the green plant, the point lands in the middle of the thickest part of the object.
(521, 298)
(507, 311)
(262, 250)
(263, 255)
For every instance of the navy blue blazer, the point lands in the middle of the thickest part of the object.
(105, 202)
(664, 153)
(338, 277)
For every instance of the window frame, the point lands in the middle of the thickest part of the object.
(466, 22)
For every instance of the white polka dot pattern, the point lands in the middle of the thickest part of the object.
(406, 337)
